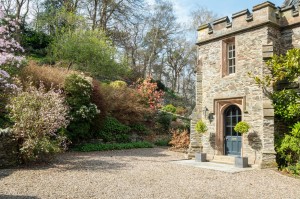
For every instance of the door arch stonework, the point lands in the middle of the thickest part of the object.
(220, 105)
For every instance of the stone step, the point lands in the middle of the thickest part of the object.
(223, 159)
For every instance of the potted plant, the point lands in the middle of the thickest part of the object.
(200, 128)
(242, 128)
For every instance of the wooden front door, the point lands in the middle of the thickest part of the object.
(233, 140)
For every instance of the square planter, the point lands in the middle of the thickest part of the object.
(200, 157)
(241, 162)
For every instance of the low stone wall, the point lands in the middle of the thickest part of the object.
(8, 149)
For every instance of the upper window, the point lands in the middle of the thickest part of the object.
(228, 57)
(231, 58)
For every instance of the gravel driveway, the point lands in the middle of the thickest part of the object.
(140, 173)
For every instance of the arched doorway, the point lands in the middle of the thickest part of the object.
(233, 140)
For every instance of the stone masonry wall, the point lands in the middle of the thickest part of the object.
(248, 59)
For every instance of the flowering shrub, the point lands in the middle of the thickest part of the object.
(9, 48)
(37, 117)
(79, 89)
(149, 94)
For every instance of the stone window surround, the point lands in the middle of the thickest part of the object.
(225, 67)
(220, 106)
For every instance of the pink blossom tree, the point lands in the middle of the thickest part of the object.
(9, 48)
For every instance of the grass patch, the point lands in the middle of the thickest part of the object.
(109, 147)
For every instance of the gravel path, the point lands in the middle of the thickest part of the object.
(140, 173)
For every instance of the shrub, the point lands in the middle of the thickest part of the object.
(107, 147)
(201, 127)
(78, 89)
(149, 94)
(139, 128)
(50, 76)
(180, 140)
(289, 147)
(89, 51)
(37, 117)
(164, 120)
(181, 111)
(124, 104)
(113, 130)
(242, 127)
(118, 84)
(293, 169)
(163, 142)
(169, 108)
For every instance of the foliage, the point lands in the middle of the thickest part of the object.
(169, 108)
(118, 84)
(113, 130)
(201, 127)
(90, 51)
(293, 169)
(164, 119)
(286, 105)
(242, 127)
(289, 147)
(37, 117)
(180, 110)
(139, 128)
(107, 147)
(180, 140)
(162, 142)
(78, 89)
(149, 94)
(35, 42)
(124, 104)
(50, 76)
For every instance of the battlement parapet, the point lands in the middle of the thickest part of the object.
(262, 14)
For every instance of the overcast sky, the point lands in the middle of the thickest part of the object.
(220, 7)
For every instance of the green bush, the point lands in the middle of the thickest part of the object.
(163, 142)
(107, 147)
(288, 148)
(79, 89)
(164, 119)
(118, 84)
(113, 130)
(38, 115)
(242, 127)
(169, 108)
(201, 127)
(139, 128)
(293, 169)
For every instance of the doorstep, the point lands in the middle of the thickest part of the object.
(228, 168)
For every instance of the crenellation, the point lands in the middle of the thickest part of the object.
(262, 14)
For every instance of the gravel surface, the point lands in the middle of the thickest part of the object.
(140, 173)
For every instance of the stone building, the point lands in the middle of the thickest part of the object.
(230, 49)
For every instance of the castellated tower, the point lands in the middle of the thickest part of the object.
(230, 49)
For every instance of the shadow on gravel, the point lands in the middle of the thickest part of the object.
(5, 172)
(106, 161)
(17, 197)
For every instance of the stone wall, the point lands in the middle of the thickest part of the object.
(8, 149)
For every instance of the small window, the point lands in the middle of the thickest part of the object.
(231, 58)
(228, 57)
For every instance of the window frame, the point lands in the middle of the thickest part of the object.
(228, 57)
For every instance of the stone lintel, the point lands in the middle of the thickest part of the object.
(241, 13)
(263, 5)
